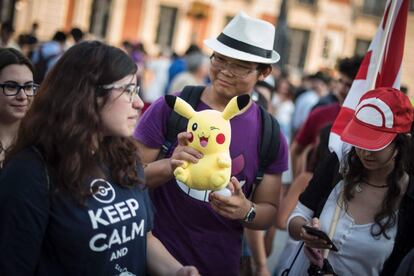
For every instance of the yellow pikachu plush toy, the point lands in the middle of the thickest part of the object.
(211, 135)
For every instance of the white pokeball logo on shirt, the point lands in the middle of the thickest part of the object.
(102, 191)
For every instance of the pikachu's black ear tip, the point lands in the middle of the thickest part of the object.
(170, 100)
(243, 101)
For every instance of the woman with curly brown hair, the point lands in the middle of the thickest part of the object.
(368, 214)
(72, 196)
(17, 90)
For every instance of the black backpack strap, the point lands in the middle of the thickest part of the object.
(176, 123)
(269, 146)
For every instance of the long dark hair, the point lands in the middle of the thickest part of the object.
(355, 173)
(64, 121)
(10, 56)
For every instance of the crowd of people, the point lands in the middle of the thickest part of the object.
(86, 165)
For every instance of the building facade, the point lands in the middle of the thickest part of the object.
(320, 31)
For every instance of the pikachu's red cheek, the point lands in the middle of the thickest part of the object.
(191, 138)
(220, 138)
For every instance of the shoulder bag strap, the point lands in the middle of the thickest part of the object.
(334, 221)
(287, 270)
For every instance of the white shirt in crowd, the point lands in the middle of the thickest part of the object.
(303, 107)
(359, 253)
(157, 71)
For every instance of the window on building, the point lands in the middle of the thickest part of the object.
(98, 23)
(298, 47)
(7, 8)
(166, 26)
(361, 47)
(411, 5)
(374, 7)
(308, 2)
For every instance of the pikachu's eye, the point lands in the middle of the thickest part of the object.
(194, 127)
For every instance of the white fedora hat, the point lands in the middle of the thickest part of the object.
(246, 38)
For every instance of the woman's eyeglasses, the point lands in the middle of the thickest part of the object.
(130, 89)
(12, 89)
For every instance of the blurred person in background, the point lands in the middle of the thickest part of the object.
(179, 65)
(138, 54)
(276, 75)
(47, 54)
(304, 103)
(197, 65)
(328, 109)
(305, 85)
(283, 109)
(17, 90)
(283, 106)
(6, 35)
(264, 90)
(155, 77)
(77, 35)
(34, 29)
(347, 69)
(27, 44)
(136, 51)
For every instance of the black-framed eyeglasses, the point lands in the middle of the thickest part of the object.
(131, 89)
(12, 89)
(236, 70)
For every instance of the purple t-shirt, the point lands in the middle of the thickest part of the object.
(184, 221)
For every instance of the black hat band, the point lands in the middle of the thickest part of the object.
(244, 47)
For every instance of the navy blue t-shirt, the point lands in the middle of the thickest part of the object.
(50, 234)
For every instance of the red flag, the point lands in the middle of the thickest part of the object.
(381, 67)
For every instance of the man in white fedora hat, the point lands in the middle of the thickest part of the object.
(202, 228)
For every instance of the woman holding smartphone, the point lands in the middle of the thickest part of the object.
(366, 212)
(72, 199)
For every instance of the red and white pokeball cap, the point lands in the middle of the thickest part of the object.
(381, 114)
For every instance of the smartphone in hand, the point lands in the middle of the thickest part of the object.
(320, 234)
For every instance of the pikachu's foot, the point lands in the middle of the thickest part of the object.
(224, 192)
(181, 174)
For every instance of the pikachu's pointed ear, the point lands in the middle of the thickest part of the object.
(235, 106)
(180, 106)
